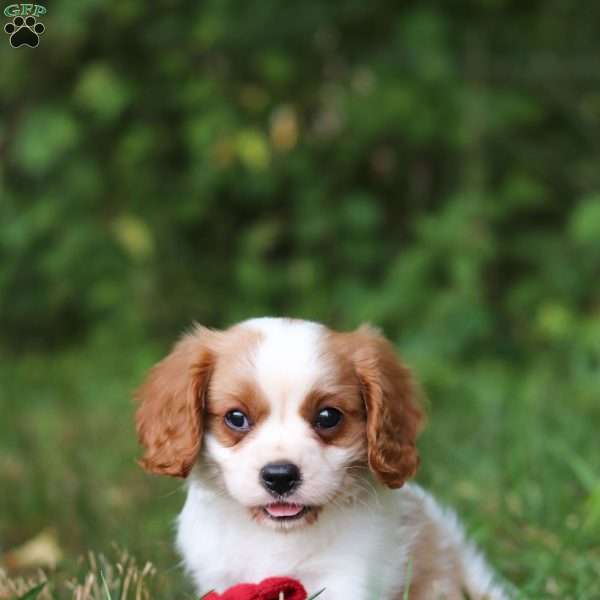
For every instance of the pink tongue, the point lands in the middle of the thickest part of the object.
(283, 509)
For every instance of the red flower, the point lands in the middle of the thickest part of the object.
(268, 589)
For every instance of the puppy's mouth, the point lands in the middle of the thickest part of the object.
(285, 511)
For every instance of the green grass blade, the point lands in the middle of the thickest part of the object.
(105, 586)
(34, 592)
(408, 580)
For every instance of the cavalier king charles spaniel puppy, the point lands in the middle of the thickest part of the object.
(297, 442)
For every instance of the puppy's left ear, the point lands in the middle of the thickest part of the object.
(169, 417)
(394, 415)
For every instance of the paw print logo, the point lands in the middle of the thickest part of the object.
(24, 32)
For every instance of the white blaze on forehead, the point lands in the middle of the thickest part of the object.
(288, 361)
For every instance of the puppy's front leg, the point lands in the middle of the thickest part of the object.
(341, 587)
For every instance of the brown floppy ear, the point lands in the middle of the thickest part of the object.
(394, 416)
(169, 415)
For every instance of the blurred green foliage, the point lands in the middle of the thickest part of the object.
(431, 167)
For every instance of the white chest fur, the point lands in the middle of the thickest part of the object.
(350, 550)
(362, 551)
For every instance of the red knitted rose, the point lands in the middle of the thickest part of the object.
(268, 589)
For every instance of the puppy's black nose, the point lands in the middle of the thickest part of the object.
(280, 478)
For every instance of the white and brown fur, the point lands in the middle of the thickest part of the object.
(367, 534)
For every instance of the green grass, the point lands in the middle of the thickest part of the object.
(514, 449)
(97, 577)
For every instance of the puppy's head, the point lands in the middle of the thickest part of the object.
(285, 416)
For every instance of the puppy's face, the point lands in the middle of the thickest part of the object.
(285, 416)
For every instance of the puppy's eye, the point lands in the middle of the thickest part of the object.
(327, 418)
(237, 420)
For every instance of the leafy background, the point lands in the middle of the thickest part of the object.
(431, 167)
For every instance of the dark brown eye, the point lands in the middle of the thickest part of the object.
(237, 420)
(328, 418)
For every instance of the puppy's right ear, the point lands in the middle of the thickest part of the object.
(394, 413)
(169, 415)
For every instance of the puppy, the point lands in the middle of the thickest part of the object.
(296, 442)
